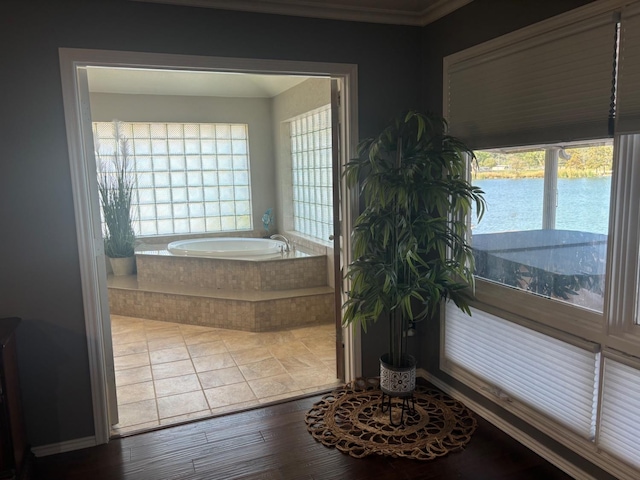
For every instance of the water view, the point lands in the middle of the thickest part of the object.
(516, 204)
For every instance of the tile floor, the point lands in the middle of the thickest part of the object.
(169, 373)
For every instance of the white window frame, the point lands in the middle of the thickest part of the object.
(555, 313)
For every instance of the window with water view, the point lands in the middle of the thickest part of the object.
(545, 228)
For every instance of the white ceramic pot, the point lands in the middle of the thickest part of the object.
(398, 381)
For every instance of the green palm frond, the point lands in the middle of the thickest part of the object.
(409, 243)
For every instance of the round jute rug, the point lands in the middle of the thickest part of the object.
(351, 419)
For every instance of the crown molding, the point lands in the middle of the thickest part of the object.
(329, 10)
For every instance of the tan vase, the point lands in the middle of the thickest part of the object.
(123, 266)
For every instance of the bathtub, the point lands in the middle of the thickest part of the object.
(227, 247)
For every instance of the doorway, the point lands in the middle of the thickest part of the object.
(74, 65)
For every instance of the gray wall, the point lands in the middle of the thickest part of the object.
(255, 112)
(39, 274)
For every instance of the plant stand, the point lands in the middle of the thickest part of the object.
(408, 406)
(397, 382)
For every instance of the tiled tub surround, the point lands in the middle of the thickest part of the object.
(168, 373)
(250, 295)
(291, 271)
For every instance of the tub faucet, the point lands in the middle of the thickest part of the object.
(277, 236)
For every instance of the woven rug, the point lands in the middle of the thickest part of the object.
(350, 419)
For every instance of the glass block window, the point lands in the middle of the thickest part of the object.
(190, 177)
(311, 154)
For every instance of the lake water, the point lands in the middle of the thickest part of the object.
(516, 204)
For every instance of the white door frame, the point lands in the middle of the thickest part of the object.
(83, 180)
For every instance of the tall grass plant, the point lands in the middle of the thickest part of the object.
(115, 187)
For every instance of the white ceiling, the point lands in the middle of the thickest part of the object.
(192, 83)
(399, 12)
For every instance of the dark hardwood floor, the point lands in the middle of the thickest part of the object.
(273, 443)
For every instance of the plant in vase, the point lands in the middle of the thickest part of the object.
(115, 188)
(409, 244)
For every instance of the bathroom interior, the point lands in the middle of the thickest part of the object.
(195, 335)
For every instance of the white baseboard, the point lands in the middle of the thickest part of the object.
(515, 433)
(62, 447)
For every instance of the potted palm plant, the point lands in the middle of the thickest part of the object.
(115, 188)
(410, 244)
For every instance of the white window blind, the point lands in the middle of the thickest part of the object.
(620, 415)
(628, 95)
(552, 87)
(553, 377)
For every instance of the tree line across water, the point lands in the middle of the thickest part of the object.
(591, 161)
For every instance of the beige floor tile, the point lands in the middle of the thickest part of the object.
(238, 343)
(205, 337)
(120, 349)
(314, 378)
(301, 363)
(271, 386)
(315, 331)
(182, 404)
(229, 395)
(276, 338)
(241, 341)
(172, 369)
(218, 378)
(188, 330)
(251, 355)
(325, 351)
(159, 333)
(178, 351)
(166, 342)
(176, 385)
(133, 375)
(135, 392)
(213, 362)
(150, 325)
(319, 343)
(284, 350)
(137, 413)
(207, 348)
(128, 337)
(131, 361)
(261, 369)
(169, 355)
(123, 327)
(230, 332)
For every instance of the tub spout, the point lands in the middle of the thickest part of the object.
(277, 236)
